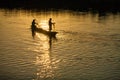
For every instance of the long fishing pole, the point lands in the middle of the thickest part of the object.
(53, 26)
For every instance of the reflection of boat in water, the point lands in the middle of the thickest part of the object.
(51, 34)
(40, 30)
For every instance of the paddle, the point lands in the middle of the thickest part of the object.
(53, 26)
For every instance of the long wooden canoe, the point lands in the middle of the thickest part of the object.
(49, 33)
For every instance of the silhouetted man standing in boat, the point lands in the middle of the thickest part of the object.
(34, 24)
(33, 27)
(50, 23)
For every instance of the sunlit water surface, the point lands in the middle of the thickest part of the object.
(87, 46)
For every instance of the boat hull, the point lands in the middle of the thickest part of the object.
(49, 33)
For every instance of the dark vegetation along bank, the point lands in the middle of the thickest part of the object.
(62, 4)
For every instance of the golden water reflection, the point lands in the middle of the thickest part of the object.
(43, 24)
(44, 66)
(43, 58)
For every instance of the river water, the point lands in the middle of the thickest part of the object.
(87, 46)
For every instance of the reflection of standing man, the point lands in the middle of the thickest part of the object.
(50, 24)
(50, 42)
